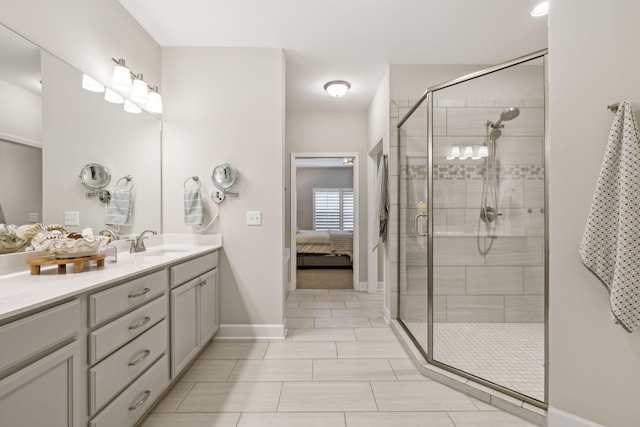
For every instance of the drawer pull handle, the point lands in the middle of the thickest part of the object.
(139, 294)
(141, 358)
(144, 398)
(140, 323)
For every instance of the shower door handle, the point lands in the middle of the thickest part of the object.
(421, 214)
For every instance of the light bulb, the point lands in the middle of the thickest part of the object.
(139, 90)
(121, 77)
(130, 107)
(155, 101)
(113, 97)
(91, 85)
(337, 88)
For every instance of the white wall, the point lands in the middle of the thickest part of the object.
(331, 133)
(86, 34)
(20, 181)
(20, 113)
(594, 61)
(226, 105)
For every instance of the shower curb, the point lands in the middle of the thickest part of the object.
(492, 397)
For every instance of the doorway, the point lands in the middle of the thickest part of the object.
(324, 221)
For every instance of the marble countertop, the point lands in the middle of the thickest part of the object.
(21, 292)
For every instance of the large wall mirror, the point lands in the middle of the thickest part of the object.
(50, 128)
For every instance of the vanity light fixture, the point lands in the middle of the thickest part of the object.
(130, 107)
(139, 91)
(121, 76)
(155, 101)
(541, 9)
(91, 85)
(474, 152)
(337, 88)
(455, 153)
(483, 151)
(111, 96)
(468, 153)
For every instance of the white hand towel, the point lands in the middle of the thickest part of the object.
(119, 208)
(380, 219)
(610, 246)
(193, 213)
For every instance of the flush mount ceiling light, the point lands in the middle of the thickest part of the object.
(541, 9)
(337, 88)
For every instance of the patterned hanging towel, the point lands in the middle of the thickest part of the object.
(382, 205)
(610, 246)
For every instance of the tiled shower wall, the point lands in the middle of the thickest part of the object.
(480, 274)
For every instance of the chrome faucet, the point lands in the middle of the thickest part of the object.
(137, 245)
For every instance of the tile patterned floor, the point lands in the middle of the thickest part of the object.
(340, 365)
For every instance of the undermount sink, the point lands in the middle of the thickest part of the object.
(161, 251)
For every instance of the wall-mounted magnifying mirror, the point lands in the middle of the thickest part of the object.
(95, 177)
(224, 177)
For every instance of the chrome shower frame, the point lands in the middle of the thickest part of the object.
(428, 354)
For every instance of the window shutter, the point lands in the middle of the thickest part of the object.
(333, 209)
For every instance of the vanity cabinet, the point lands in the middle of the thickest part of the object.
(194, 310)
(127, 352)
(46, 391)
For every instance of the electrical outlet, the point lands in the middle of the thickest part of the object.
(254, 218)
(72, 218)
(33, 217)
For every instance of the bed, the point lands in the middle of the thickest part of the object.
(322, 248)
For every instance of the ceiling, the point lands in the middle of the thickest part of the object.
(351, 40)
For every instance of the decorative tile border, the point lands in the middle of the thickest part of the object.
(476, 172)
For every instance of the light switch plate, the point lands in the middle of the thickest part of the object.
(72, 218)
(33, 217)
(254, 218)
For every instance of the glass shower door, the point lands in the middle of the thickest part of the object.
(413, 222)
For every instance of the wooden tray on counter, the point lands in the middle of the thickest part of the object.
(78, 263)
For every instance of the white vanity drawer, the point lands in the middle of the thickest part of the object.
(35, 333)
(111, 336)
(136, 399)
(108, 303)
(190, 269)
(114, 373)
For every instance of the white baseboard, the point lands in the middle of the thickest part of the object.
(380, 286)
(362, 286)
(558, 418)
(386, 313)
(252, 332)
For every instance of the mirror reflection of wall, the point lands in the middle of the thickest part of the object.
(20, 182)
(43, 106)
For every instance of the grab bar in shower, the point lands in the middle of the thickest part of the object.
(420, 215)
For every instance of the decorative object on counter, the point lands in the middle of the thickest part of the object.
(119, 208)
(193, 212)
(78, 263)
(109, 249)
(9, 241)
(96, 177)
(224, 177)
(609, 247)
(59, 242)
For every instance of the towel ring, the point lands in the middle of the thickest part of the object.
(195, 178)
(129, 179)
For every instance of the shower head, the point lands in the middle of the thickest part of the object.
(508, 114)
(495, 134)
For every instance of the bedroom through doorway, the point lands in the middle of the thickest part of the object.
(324, 221)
